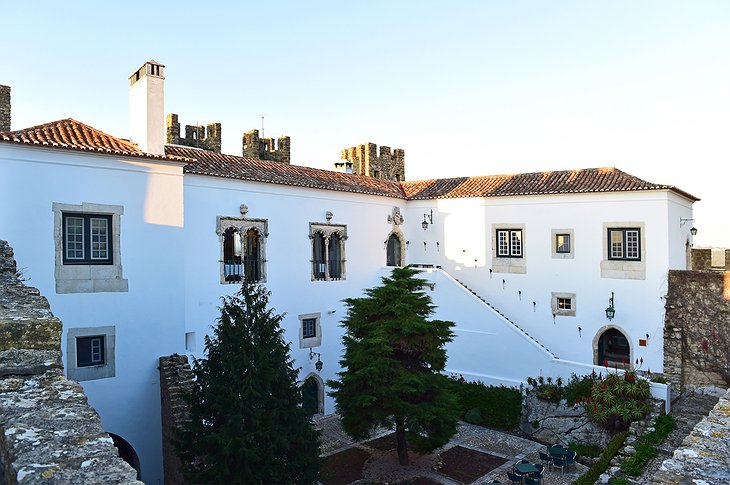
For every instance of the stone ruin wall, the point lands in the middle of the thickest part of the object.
(697, 304)
(4, 108)
(366, 161)
(702, 259)
(198, 136)
(175, 382)
(278, 150)
(48, 431)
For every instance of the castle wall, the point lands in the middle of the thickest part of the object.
(278, 150)
(367, 162)
(4, 108)
(198, 136)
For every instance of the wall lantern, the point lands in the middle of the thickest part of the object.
(427, 219)
(317, 365)
(610, 311)
(683, 221)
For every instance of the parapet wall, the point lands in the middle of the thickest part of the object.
(266, 148)
(4, 108)
(48, 431)
(198, 136)
(366, 161)
(697, 329)
(176, 381)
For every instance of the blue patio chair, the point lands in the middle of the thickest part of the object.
(570, 458)
(540, 468)
(545, 458)
(531, 481)
(514, 477)
(559, 463)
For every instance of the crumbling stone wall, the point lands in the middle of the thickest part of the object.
(266, 148)
(704, 456)
(366, 161)
(176, 381)
(4, 108)
(198, 136)
(697, 320)
(551, 422)
(701, 259)
(48, 431)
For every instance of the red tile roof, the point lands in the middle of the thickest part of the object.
(232, 166)
(74, 135)
(588, 180)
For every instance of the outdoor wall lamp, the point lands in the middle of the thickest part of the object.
(427, 219)
(580, 330)
(317, 365)
(683, 221)
(610, 311)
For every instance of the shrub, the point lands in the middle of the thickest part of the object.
(473, 416)
(659, 379)
(645, 449)
(499, 407)
(590, 477)
(578, 388)
(585, 450)
(617, 400)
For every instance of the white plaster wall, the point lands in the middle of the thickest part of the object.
(464, 230)
(149, 317)
(289, 210)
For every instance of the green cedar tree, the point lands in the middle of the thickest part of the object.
(391, 367)
(246, 423)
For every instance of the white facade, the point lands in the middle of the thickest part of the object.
(161, 295)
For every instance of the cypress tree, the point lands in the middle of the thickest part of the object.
(246, 423)
(391, 367)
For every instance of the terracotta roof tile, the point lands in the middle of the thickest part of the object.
(607, 179)
(232, 166)
(74, 135)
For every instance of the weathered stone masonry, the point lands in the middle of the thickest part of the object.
(366, 161)
(175, 382)
(197, 136)
(266, 148)
(48, 431)
(698, 304)
(4, 108)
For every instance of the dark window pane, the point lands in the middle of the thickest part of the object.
(89, 351)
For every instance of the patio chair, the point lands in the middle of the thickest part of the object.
(545, 458)
(531, 481)
(514, 477)
(559, 463)
(526, 461)
(570, 458)
(540, 468)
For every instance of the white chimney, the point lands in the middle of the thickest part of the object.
(147, 108)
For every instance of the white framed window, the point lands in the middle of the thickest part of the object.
(328, 251)
(90, 353)
(563, 304)
(563, 243)
(624, 250)
(310, 330)
(243, 249)
(87, 246)
(508, 248)
(624, 243)
(509, 243)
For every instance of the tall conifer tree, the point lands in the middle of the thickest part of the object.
(246, 420)
(391, 366)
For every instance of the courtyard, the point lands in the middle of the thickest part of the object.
(473, 456)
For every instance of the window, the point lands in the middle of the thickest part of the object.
(328, 251)
(89, 351)
(309, 328)
(563, 304)
(243, 245)
(624, 244)
(509, 243)
(310, 333)
(87, 241)
(562, 243)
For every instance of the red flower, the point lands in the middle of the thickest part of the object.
(600, 376)
(623, 360)
(595, 408)
(605, 362)
(704, 345)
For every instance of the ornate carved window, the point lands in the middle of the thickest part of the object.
(243, 249)
(328, 250)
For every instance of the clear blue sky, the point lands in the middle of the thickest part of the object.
(465, 87)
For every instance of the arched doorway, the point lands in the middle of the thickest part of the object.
(611, 347)
(127, 453)
(313, 395)
(394, 251)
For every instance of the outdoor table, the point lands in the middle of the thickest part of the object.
(523, 468)
(558, 451)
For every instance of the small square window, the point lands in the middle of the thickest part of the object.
(562, 243)
(309, 328)
(89, 351)
(563, 304)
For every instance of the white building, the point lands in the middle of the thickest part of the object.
(134, 250)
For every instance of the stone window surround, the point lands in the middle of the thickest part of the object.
(91, 372)
(554, 244)
(399, 234)
(310, 342)
(561, 311)
(241, 225)
(624, 269)
(327, 229)
(88, 278)
(509, 264)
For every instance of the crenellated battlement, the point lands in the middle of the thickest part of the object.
(4, 108)
(366, 161)
(278, 150)
(206, 137)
